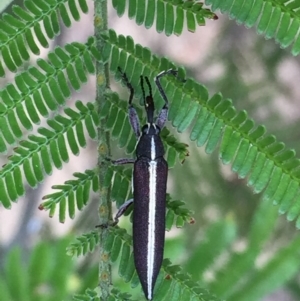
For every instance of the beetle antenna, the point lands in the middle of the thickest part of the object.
(149, 86)
(158, 84)
(143, 90)
(148, 100)
(163, 114)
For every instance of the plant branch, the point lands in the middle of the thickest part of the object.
(102, 83)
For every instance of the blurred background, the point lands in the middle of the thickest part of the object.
(239, 247)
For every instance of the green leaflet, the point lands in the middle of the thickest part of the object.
(170, 15)
(274, 19)
(39, 153)
(38, 91)
(214, 122)
(24, 27)
(118, 243)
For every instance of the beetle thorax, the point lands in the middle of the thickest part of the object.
(150, 144)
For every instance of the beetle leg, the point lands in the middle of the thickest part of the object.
(157, 82)
(163, 114)
(123, 207)
(132, 115)
(122, 210)
(162, 117)
(122, 161)
(134, 120)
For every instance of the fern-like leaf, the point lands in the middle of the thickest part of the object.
(270, 167)
(275, 19)
(89, 295)
(273, 275)
(47, 263)
(218, 238)
(171, 284)
(40, 153)
(230, 278)
(74, 193)
(85, 243)
(38, 91)
(92, 295)
(171, 15)
(38, 21)
(177, 215)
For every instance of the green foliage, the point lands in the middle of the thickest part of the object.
(172, 284)
(44, 278)
(38, 20)
(91, 295)
(171, 15)
(86, 243)
(176, 215)
(40, 153)
(77, 193)
(280, 269)
(275, 19)
(40, 92)
(72, 193)
(241, 278)
(269, 166)
(218, 238)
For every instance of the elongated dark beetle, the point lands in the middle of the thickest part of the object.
(149, 186)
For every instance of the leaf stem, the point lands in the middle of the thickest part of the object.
(105, 215)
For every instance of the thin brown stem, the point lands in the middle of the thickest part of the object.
(105, 216)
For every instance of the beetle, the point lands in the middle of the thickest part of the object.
(150, 175)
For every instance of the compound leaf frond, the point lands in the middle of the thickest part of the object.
(171, 284)
(38, 91)
(39, 153)
(85, 243)
(74, 193)
(274, 19)
(92, 295)
(38, 21)
(269, 167)
(170, 15)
